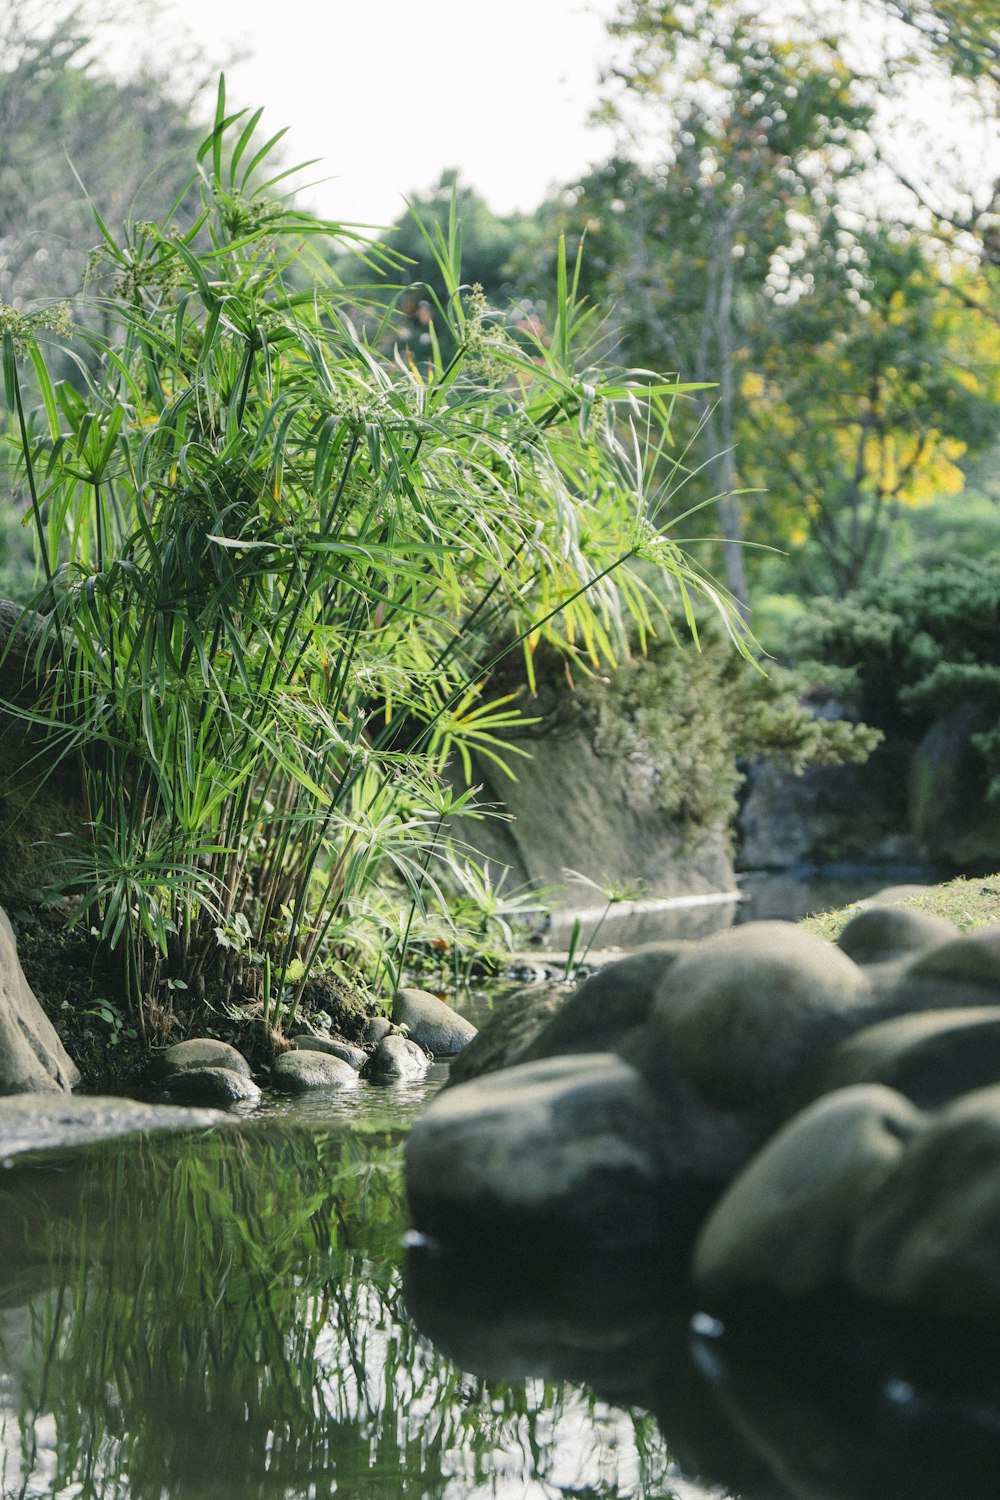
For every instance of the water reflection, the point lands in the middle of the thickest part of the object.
(831, 1401)
(222, 1317)
(225, 1317)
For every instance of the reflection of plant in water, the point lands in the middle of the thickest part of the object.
(231, 1325)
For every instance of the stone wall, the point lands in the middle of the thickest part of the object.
(572, 809)
(911, 802)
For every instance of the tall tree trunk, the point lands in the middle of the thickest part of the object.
(730, 508)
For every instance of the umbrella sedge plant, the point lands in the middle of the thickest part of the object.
(278, 564)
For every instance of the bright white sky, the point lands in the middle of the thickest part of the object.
(390, 92)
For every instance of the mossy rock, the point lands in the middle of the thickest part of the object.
(348, 1007)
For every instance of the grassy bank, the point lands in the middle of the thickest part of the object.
(968, 903)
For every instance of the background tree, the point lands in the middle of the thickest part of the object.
(741, 238)
(759, 136)
(69, 129)
(875, 384)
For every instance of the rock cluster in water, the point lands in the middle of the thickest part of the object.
(812, 1116)
(205, 1070)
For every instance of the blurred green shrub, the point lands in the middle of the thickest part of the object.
(696, 715)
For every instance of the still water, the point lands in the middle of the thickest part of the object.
(234, 1315)
(225, 1316)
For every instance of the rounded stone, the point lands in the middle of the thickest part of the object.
(220, 1087)
(931, 1238)
(201, 1052)
(881, 934)
(397, 1058)
(933, 1057)
(570, 1144)
(784, 1225)
(513, 1027)
(333, 1047)
(431, 1023)
(963, 972)
(297, 1072)
(375, 1028)
(602, 1012)
(741, 1013)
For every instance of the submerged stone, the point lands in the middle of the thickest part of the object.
(297, 1072)
(220, 1087)
(398, 1058)
(431, 1023)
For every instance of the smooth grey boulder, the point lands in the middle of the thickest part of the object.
(506, 1035)
(603, 1012)
(743, 1011)
(430, 1023)
(397, 1058)
(894, 895)
(218, 1087)
(703, 1141)
(883, 934)
(375, 1028)
(962, 972)
(201, 1052)
(32, 1058)
(785, 1224)
(297, 1072)
(933, 1057)
(930, 1239)
(333, 1047)
(569, 1146)
(30, 1123)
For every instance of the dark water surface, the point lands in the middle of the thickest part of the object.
(223, 1317)
(233, 1316)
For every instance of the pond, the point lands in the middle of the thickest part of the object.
(240, 1314)
(223, 1316)
(235, 1315)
